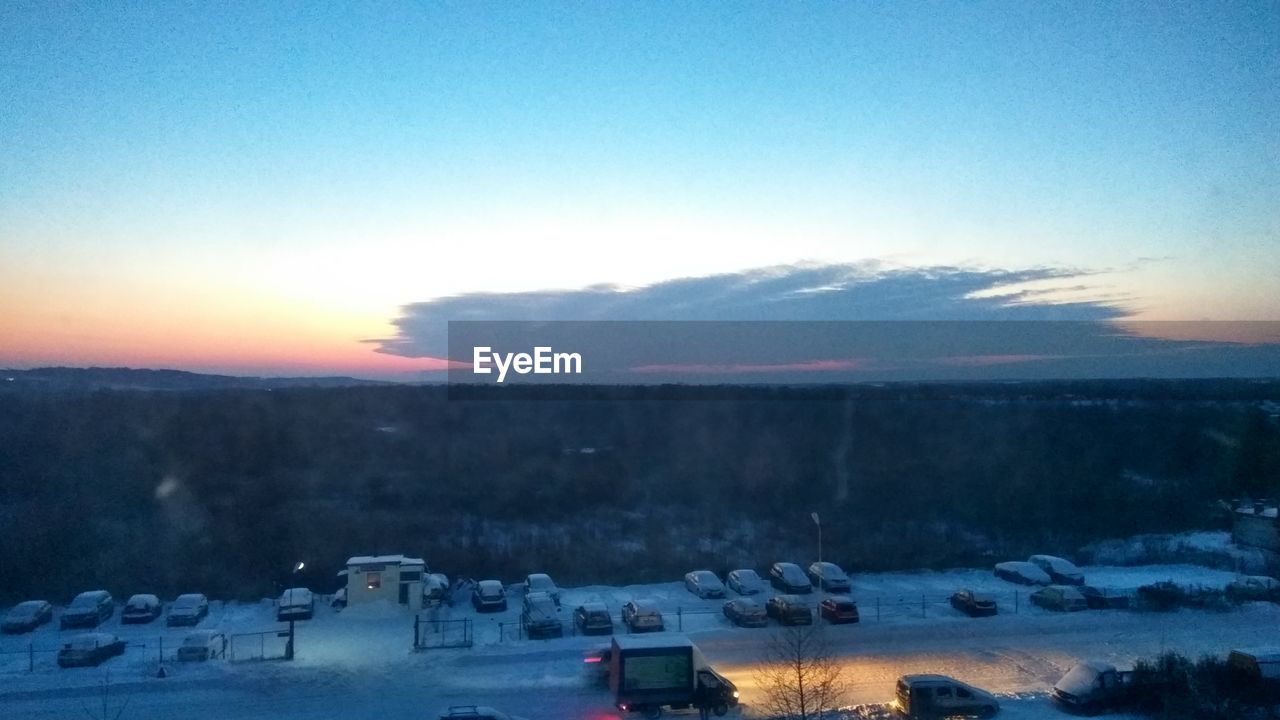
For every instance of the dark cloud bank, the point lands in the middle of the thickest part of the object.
(829, 323)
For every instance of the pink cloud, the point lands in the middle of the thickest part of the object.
(989, 360)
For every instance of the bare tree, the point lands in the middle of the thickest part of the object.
(801, 674)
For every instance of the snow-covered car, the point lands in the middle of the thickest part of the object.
(202, 645)
(188, 609)
(89, 649)
(746, 612)
(934, 696)
(475, 712)
(489, 596)
(745, 581)
(592, 618)
(642, 616)
(1062, 572)
(435, 590)
(27, 616)
(830, 577)
(140, 609)
(704, 584)
(789, 610)
(1023, 573)
(542, 582)
(789, 578)
(1063, 598)
(339, 600)
(1253, 587)
(539, 618)
(838, 610)
(88, 609)
(1104, 598)
(296, 604)
(974, 604)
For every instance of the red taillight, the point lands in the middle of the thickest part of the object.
(591, 660)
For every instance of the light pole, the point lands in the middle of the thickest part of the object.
(822, 585)
(288, 646)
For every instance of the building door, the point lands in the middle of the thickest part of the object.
(404, 593)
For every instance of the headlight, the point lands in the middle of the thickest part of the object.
(735, 694)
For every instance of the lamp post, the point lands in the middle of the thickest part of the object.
(288, 646)
(821, 580)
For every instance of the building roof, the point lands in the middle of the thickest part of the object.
(384, 560)
(1269, 511)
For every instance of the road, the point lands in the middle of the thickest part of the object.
(1006, 654)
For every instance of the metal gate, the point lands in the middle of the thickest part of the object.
(268, 645)
(430, 633)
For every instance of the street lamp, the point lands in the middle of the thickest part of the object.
(821, 581)
(288, 646)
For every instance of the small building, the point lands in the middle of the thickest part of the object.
(1256, 524)
(394, 578)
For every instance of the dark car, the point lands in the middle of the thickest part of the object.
(593, 619)
(838, 610)
(489, 596)
(1103, 598)
(974, 604)
(789, 578)
(89, 649)
(830, 577)
(539, 618)
(746, 612)
(188, 609)
(140, 609)
(88, 610)
(789, 610)
(27, 616)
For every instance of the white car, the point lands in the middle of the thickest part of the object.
(746, 582)
(704, 584)
(642, 616)
(1023, 573)
(188, 609)
(203, 645)
(296, 604)
(1061, 571)
(542, 582)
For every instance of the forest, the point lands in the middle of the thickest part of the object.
(223, 490)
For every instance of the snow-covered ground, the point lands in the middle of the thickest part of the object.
(360, 663)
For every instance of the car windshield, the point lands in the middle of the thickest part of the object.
(186, 603)
(26, 609)
(84, 601)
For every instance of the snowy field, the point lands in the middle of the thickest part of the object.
(360, 662)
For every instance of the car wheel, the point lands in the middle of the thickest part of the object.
(720, 710)
(653, 713)
(988, 712)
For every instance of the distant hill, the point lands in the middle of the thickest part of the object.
(99, 378)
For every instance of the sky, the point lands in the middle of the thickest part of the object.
(281, 188)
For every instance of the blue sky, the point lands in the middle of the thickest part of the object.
(290, 176)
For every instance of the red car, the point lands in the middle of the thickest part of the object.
(838, 610)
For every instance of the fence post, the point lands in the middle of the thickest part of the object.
(161, 649)
(416, 621)
(922, 606)
(1015, 602)
(680, 618)
(31, 656)
(877, 608)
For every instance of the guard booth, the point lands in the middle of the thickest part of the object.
(393, 578)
